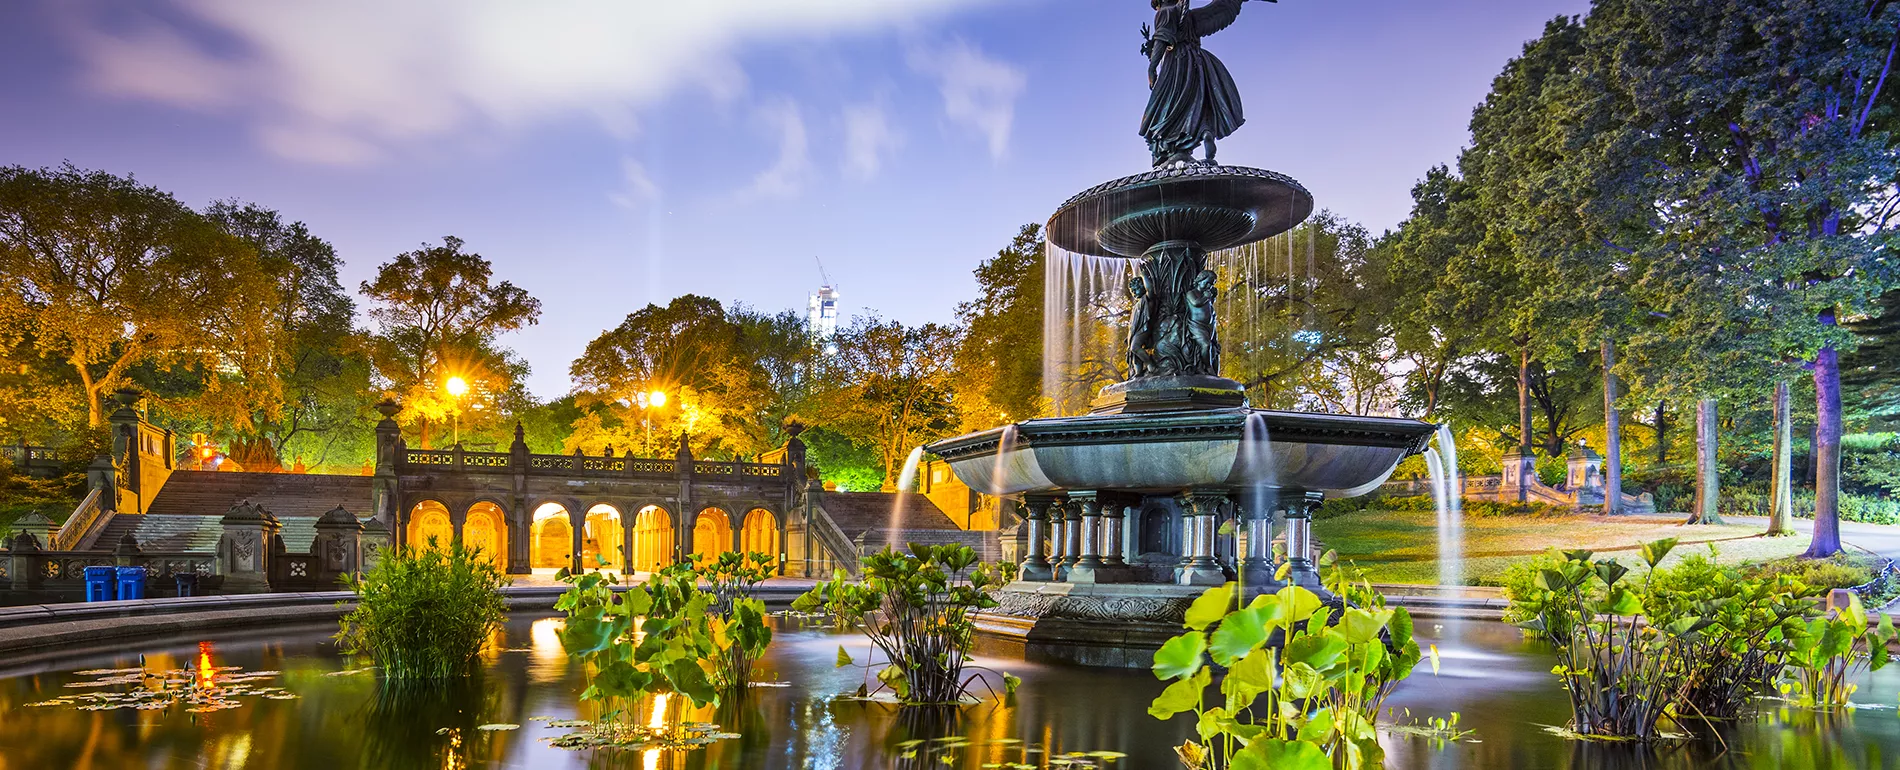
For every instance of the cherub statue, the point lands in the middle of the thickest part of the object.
(1205, 350)
(1140, 330)
(1192, 100)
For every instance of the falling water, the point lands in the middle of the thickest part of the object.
(1448, 497)
(1005, 446)
(1085, 326)
(1256, 456)
(906, 484)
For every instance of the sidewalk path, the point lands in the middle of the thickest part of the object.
(1880, 539)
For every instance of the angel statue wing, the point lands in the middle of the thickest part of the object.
(1215, 16)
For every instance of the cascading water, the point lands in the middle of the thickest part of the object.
(1262, 494)
(1448, 498)
(906, 484)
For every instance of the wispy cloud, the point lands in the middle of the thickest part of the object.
(869, 138)
(345, 81)
(978, 91)
(636, 186)
(793, 168)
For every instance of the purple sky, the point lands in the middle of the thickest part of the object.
(604, 158)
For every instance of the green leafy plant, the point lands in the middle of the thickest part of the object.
(1829, 648)
(1744, 641)
(425, 614)
(739, 630)
(915, 608)
(1620, 672)
(1309, 701)
(651, 638)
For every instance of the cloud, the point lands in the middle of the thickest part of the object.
(636, 186)
(356, 79)
(788, 174)
(978, 92)
(869, 138)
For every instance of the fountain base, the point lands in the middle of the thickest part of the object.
(1111, 626)
(1170, 394)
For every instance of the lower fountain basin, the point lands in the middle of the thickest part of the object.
(1338, 455)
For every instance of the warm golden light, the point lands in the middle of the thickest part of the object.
(456, 386)
(657, 398)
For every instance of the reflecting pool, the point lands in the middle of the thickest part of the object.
(341, 717)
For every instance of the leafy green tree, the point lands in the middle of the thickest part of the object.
(439, 311)
(104, 275)
(1003, 328)
(1444, 305)
(890, 386)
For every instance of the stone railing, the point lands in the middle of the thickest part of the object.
(79, 523)
(33, 460)
(583, 465)
(58, 569)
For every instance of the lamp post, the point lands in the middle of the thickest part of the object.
(456, 386)
(653, 399)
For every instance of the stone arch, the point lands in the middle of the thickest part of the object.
(429, 520)
(485, 527)
(604, 538)
(712, 532)
(760, 532)
(651, 539)
(551, 543)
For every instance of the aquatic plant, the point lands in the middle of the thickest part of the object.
(1740, 652)
(915, 608)
(739, 630)
(1302, 687)
(425, 613)
(1826, 650)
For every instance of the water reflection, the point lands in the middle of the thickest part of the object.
(1501, 686)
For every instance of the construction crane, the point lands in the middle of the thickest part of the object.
(821, 270)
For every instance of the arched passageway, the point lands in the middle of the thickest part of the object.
(760, 533)
(712, 533)
(485, 530)
(429, 527)
(552, 543)
(652, 547)
(602, 541)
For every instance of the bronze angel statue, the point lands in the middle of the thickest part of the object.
(1192, 100)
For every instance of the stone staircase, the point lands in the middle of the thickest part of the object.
(193, 533)
(211, 493)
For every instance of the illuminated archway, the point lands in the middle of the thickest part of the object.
(652, 539)
(760, 533)
(552, 538)
(712, 533)
(602, 539)
(429, 520)
(486, 529)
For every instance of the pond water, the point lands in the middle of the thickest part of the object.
(1500, 685)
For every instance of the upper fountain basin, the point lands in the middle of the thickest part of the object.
(1339, 455)
(1216, 207)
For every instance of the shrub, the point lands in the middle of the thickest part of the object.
(1310, 703)
(1826, 650)
(915, 609)
(1472, 508)
(1842, 570)
(425, 614)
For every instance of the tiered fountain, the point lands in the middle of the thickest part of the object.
(1128, 507)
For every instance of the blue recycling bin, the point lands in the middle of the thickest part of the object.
(99, 586)
(131, 582)
(187, 583)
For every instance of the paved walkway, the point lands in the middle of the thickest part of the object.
(1881, 539)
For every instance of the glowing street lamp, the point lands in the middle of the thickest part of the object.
(456, 386)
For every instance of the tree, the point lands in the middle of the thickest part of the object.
(1003, 328)
(319, 357)
(1444, 304)
(1756, 137)
(104, 275)
(890, 386)
(438, 312)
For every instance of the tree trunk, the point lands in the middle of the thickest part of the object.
(1525, 457)
(1707, 478)
(1781, 498)
(1827, 451)
(1662, 433)
(1613, 435)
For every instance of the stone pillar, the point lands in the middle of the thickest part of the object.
(373, 541)
(1036, 564)
(684, 523)
(244, 550)
(23, 561)
(385, 485)
(1086, 507)
(338, 546)
(41, 528)
(1112, 534)
(1058, 538)
(1199, 513)
(1071, 537)
(1256, 565)
(1299, 541)
(577, 536)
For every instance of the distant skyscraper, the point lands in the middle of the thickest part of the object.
(822, 315)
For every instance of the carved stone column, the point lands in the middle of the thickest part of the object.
(1086, 507)
(1199, 512)
(1071, 537)
(1112, 544)
(1256, 565)
(1299, 541)
(244, 550)
(338, 546)
(1036, 565)
(1059, 538)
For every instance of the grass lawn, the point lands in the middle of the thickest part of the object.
(1402, 546)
